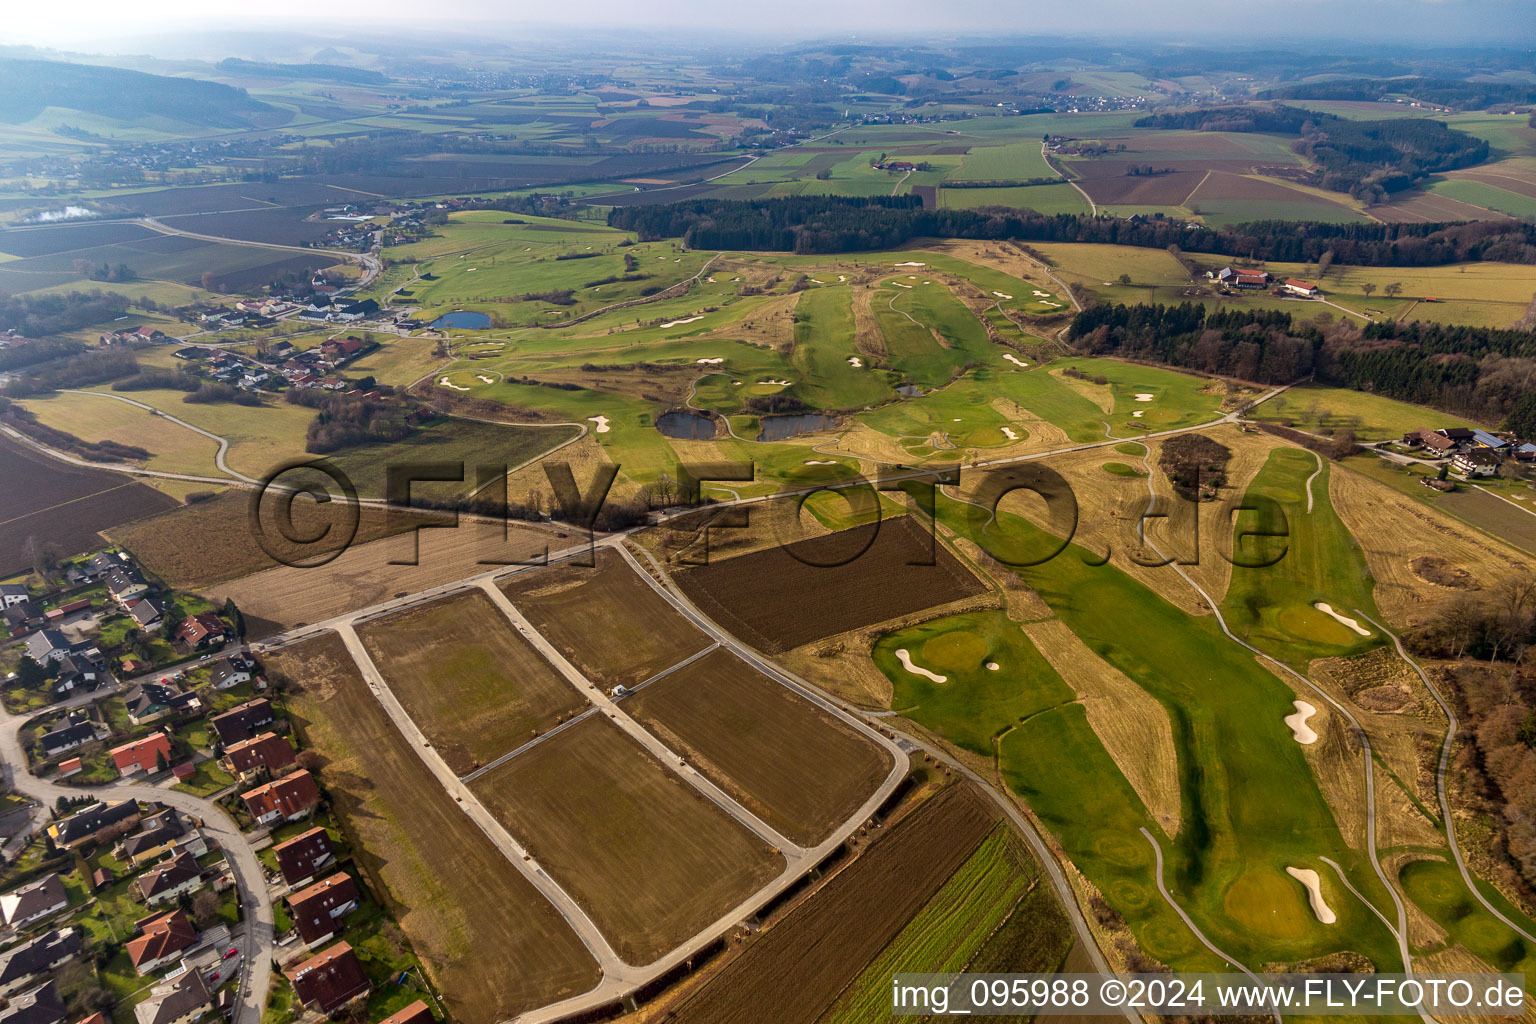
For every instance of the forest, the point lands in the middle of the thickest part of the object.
(1479, 372)
(831, 224)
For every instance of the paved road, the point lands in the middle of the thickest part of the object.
(223, 442)
(371, 264)
(250, 878)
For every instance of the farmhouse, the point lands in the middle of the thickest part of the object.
(41, 1005)
(47, 645)
(179, 1001)
(163, 939)
(290, 798)
(178, 875)
(329, 980)
(300, 857)
(201, 629)
(1526, 452)
(1483, 439)
(1476, 462)
(33, 902)
(268, 752)
(20, 965)
(241, 722)
(317, 911)
(95, 823)
(1243, 278)
(1302, 288)
(149, 755)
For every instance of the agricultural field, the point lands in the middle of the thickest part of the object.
(1324, 410)
(68, 505)
(172, 448)
(605, 619)
(795, 766)
(827, 942)
(469, 681)
(600, 815)
(487, 963)
(782, 597)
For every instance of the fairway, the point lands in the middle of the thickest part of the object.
(470, 683)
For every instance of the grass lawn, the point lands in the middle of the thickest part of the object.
(1325, 410)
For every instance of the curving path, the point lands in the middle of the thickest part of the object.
(223, 442)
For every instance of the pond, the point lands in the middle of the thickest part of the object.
(777, 428)
(463, 320)
(685, 425)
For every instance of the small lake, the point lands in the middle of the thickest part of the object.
(777, 428)
(685, 425)
(463, 320)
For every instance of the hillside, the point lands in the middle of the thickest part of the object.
(28, 87)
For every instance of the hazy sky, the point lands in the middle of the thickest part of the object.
(108, 24)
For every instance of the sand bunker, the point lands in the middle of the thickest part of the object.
(1138, 414)
(917, 670)
(685, 320)
(1002, 295)
(1301, 732)
(716, 361)
(1048, 302)
(602, 424)
(1009, 434)
(1040, 294)
(820, 462)
(1327, 609)
(1144, 396)
(898, 284)
(855, 362)
(710, 279)
(446, 383)
(483, 379)
(1014, 359)
(780, 383)
(910, 264)
(993, 666)
(1308, 878)
(842, 277)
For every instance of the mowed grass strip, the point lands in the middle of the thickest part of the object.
(493, 945)
(792, 764)
(826, 943)
(644, 853)
(468, 681)
(606, 620)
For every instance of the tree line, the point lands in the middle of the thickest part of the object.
(833, 224)
(1479, 372)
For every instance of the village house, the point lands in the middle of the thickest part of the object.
(201, 630)
(290, 798)
(124, 585)
(181, 1000)
(23, 964)
(34, 901)
(159, 834)
(242, 721)
(47, 645)
(95, 823)
(81, 671)
(302, 856)
(1475, 463)
(1301, 288)
(13, 594)
(318, 909)
(150, 702)
(329, 980)
(231, 671)
(41, 1005)
(147, 613)
(148, 755)
(67, 734)
(178, 875)
(416, 1013)
(161, 941)
(268, 752)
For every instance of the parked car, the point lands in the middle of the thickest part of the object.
(231, 951)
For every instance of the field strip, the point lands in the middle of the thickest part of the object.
(509, 755)
(71, 501)
(633, 729)
(670, 669)
(1192, 191)
(1440, 773)
(520, 858)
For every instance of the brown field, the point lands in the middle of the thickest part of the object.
(773, 600)
(474, 686)
(607, 620)
(1510, 523)
(68, 505)
(824, 944)
(1395, 531)
(1229, 185)
(492, 944)
(223, 543)
(363, 575)
(795, 766)
(1109, 185)
(1427, 206)
(647, 855)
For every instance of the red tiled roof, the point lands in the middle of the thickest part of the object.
(296, 855)
(141, 754)
(330, 978)
(268, 751)
(292, 794)
(416, 1013)
(163, 935)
